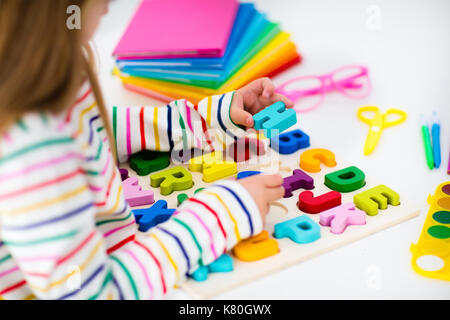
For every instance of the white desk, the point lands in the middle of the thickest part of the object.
(408, 54)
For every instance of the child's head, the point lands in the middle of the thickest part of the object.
(41, 59)
(42, 56)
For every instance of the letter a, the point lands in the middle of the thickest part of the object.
(74, 20)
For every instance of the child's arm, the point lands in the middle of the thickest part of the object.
(58, 247)
(181, 125)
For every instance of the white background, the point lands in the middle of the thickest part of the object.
(408, 55)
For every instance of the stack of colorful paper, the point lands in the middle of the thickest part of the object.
(195, 48)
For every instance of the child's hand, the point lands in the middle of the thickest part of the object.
(264, 189)
(252, 98)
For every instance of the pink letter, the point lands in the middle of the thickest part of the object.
(338, 218)
(134, 194)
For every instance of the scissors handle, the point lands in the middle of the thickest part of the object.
(371, 119)
(399, 114)
(377, 123)
(379, 119)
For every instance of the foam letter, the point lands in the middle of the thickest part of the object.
(223, 264)
(124, 174)
(256, 248)
(245, 174)
(289, 142)
(310, 204)
(310, 159)
(134, 194)
(346, 180)
(213, 166)
(274, 117)
(145, 161)
(298, 180)
(150, 217)
(339, 218)
(301, 229)
(177, 178)
(377, 197)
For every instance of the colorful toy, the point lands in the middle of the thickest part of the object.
(196, 163)
(346, 180)
(434, 239)
(256, 248)
(374, 198)
(183, 196)
(289, 142)
(377, 123)
(177, 178)
(310, 204)
(242, 148)
(274, 118)
(150, 217)
(339, 218)
(201, 274)
(213, 166)
(440, 232)
(134, 194)
(346, 80)
(301, 229)
(245, 174)
(123, 174)
(223, 264)
(298, 180)
(444, 202)
(144, 162)
(284, 252)
(310, 159)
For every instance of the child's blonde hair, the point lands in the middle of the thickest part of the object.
(42, 62)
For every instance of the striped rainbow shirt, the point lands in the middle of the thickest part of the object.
(66, 231)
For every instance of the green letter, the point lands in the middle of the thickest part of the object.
(346, 180)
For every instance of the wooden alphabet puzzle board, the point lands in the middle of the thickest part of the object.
(290, 252)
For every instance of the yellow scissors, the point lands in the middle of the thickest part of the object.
(377, 122)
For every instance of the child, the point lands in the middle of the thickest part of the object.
(66, 231)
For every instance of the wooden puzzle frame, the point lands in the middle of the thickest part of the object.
(290, 252)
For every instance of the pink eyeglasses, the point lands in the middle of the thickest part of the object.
(308, 92)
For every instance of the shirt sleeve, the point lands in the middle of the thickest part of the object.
(48, 227)
(47, 217)
(201, 230)
(178, 126)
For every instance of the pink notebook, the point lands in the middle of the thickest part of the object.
(178, 28)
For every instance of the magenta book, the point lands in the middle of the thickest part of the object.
(178, 28)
